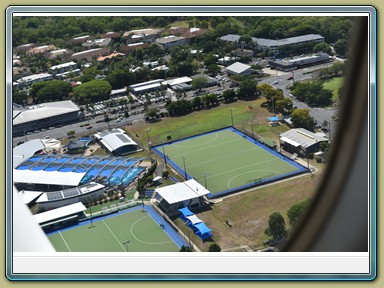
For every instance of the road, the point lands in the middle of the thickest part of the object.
(319, 114)
(61, 132)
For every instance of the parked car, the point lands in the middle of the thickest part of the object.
(290, 78)
(276, 82)
(89, 127)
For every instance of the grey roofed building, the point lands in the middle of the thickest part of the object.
(300, 140)
(170, 41)
(274, 45)
(299, 62)
(230, 38)
(238, 68)
(116, 142)
(45, 115)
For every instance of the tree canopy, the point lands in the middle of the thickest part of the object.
(199, 83)
(276, 226)
(92, 92)
(312, 93)
(248, 89)
(50, 91)
(301, 119)
(214, 248)
(296, 211)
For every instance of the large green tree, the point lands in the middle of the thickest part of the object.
(312, 93)
(248, 89)
(50, 91)
(301, 119)
(92, 92)
(276, 226)
(296, 211)
(199, 83)
(322, 47)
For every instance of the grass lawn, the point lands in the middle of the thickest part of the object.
(249, 212)
(334, 86)
(230, 160)
(206, 120)
(109, 233)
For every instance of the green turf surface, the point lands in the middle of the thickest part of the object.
(107, 235)
(229, 159)
(334, 85)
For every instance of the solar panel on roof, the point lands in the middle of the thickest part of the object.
(123, 138)
(54, 195)
(70, 193)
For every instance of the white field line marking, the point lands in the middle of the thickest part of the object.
(242, 167)
(193, 151)
(65, 242)
(188, 146)
(114, 236)
(149, 243)
(228, 155)
(249, 172)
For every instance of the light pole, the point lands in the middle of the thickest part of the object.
(189, 238)
(164, 157)
(90, 210)
(126, 242)
(253, 135)
(149, 145)
(205, 179)
(185, 169)
(231, 110)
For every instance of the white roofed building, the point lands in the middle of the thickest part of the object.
(60, 215)
(116, 142)
(58, 70)
(144, 87)
(29, 80)
(189, 194)
(239, 69)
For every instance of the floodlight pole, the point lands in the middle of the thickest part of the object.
(90, 210)
(307, 158)
(164, 157)
(205, 179)
(253, 135)
(231, 110)
(185, 169)
(149, 147)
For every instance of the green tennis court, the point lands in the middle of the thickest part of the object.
(227, 160)
(134, 231)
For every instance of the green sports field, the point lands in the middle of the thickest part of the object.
(227, 160)
(109, 233)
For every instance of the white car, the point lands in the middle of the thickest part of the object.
(276, 82)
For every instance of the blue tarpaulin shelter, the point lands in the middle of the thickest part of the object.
(184, 213)
(272, 119)
(202, 231)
